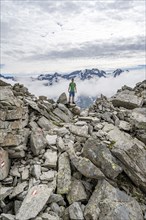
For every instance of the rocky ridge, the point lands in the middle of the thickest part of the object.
(60, 163)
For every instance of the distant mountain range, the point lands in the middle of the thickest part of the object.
(86, 74)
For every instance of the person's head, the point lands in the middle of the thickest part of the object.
(72, 79)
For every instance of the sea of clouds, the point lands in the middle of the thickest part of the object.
(93, 87)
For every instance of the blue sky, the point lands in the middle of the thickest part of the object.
(48, 36)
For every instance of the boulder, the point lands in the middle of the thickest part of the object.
(77, 192)
(138, 117)
(127, 99)
(50, 159)
(36, 171)
(108, 203)
(37, 141)
(62, 98)
(34, 202)
(79, 130)
(18, 189)
(64, 174)
(101, 156)
(130, 152)
(4, 164)
(75, 212)
(85, 166)
(45, 124)
(5, 191)
(124, 125)
(51, 139)
(60, 114)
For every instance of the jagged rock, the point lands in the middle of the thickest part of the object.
(77, 192)
(4, 164)
(75, 212)
(60, 144)
(138, 116)
(127, 99)
(51, 139)
(108, 202)
(34, 202)
(62, 131)
(45, 124)
(5, 191)
(25, 174)
(14, 114)
(79, 130)
(18, 189)
(17, 205)
(46, 216)
(37, 142)
(65, 110)
(62, 98)
(7, 97)
(48, 176)
(85, 166)
(64, 174)
(57, 198)
(101, 156)
(124, 125)
(36, 171)
(130, 152)
(7, 216)
(76, 110)
(60, 114)
(51, 158)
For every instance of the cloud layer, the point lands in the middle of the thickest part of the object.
(94, 87)
(39, 36)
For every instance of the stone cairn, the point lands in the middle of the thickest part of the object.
(63, 163)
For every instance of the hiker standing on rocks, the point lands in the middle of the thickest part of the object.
(72, 89)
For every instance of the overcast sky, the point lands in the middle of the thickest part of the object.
(48, 36)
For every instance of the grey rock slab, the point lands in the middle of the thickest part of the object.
(47, 216)
(64, 174)
(37, 141)
(25, 174)
(14, 114)
(36, 171)
(51, 139)
(77, 192)
(50, 158)
(101, 156)
(45, 124)
(34, 202)
(5, 191)
(18, 189)
(108, 202)
(60, 144)
(65, 110)
(75, 212)
(127, 99)
(124, 125)
(7, 216)
(138, 117)
(85, 166)
(79, 130)
(4, 164)
(130, 152)
(60, 114)
(48, 176)
(58, 199)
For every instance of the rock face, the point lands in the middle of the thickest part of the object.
(101, 156)
(108, 202)
(127, 99)
(130, 152)
(58, 162)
